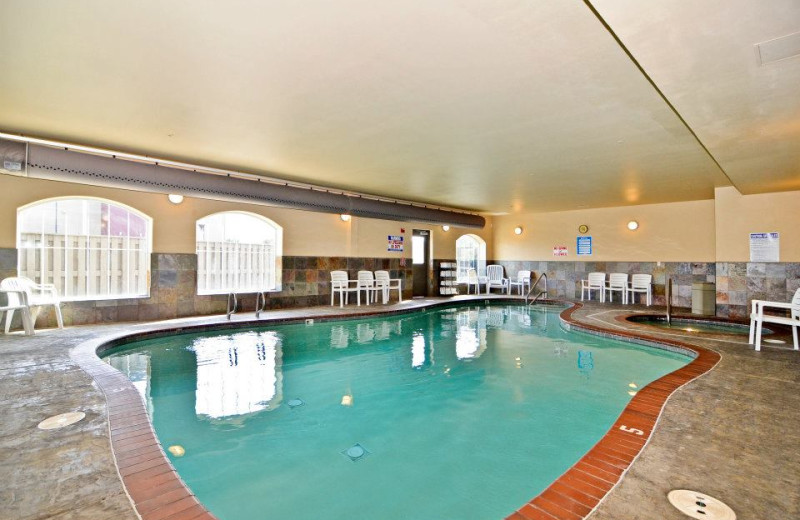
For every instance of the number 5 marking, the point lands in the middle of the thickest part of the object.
(631, 430)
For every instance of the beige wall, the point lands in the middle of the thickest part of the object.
(305, 233)
(700, 231)
(674, 232)
(739, 215)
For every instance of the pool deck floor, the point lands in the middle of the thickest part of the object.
(733, 433)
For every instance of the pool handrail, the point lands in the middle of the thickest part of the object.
(544, 292)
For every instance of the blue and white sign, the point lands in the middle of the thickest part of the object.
(395, 243)
(765, 247)
(584, 247)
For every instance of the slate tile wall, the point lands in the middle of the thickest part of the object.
(564, 278)
(737, 283)
(740, 282)
(173, 287)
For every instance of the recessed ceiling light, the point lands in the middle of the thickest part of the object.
(518, 230)
(633, 225)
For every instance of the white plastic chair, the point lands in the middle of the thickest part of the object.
(340, 284)
(25, 292)
(758, 318)
(366, 283)
(494, 274)
(595, 282)
(643, 284)
(617, 282)
(386, 284)
(27, 322)
(523, 281)
(473, 280)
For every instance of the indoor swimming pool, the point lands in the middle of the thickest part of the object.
(457, 412)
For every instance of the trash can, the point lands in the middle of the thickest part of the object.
(704, 299)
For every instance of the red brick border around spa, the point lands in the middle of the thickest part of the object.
(158, 493)
(576, 493)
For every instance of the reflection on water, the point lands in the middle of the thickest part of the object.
(417, 350)
(585, 362)
(364, 333)
(471, 334)
(238, 374)
(470, 342)
(137, 368)
(340, 336)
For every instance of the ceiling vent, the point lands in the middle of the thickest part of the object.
(778, 49)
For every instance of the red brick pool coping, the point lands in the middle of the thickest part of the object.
(158, 493)
(576, 493)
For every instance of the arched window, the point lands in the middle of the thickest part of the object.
(238, 252)
(88, 248)
(470, 254)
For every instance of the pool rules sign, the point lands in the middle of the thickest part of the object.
(765, 247)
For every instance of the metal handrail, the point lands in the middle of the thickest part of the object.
(538, 279)
(669, 301)
(261, 302)
(231, 309)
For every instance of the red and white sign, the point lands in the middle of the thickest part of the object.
(559, 250)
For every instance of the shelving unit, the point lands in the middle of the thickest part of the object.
(448, 272)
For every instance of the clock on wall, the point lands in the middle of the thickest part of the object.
(583, 228)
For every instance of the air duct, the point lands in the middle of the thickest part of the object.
(62, 164)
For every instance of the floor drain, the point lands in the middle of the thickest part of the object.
(293, 403)
(61, 420)
(698, 505)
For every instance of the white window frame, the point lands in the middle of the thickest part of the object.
(69, 252)
(476, 261)
(215, 257)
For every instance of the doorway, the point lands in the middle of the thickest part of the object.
(420, 260)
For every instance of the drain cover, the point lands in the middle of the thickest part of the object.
(293, 403)
(355, 452)
(61, 420)
(700, 505)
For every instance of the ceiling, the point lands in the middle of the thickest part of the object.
(498, 107)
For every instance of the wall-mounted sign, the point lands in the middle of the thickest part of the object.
(395, 243)
(765, 247)
(559, 250)
(584, 246)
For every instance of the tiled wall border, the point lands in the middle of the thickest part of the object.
(158, 493)
(576, 493)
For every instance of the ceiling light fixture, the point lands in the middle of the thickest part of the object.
(518, 230)
(345, 217)
(175, 199)
(633, 225)
(446, 228)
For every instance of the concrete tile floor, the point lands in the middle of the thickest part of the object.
(733, 434)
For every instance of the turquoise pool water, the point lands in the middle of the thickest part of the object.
(464, 412)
